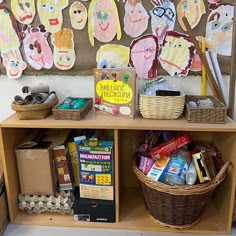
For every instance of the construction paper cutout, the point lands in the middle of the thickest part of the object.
(9, 33)
(177, 53)
(219, 29)
(144, 56)
(163, 17)
(192, 9)
(50, 13)
(103, 21)
(13, 63)
(36, 48)
(64, 53)
(196, 64)
(23, 10)
(213, 1)
(112, 56)
(135, 19)
(78, 15)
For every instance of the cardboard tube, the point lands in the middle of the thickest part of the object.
(40, 88)
(29, 99)
(19, 100)
(51, 97)
(40, 97)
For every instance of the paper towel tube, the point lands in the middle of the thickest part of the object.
(29, 99)
(40, 88)
(40, 97)
(19, 100)
(52, 96)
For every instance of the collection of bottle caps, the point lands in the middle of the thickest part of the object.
(73, 103)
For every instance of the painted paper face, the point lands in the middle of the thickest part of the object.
(23, 10)
(64, 53)
(78, 15)
(177, 53)
(37, 51)
(104, 21)
(50, 13)
(192, 9)
(135, 19)
(143, 56)
(219, 29)
(112, 56)
(163, 17)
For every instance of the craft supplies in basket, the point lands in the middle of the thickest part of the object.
(211, 114)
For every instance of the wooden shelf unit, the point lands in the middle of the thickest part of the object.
(130, 210)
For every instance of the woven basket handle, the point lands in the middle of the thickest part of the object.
(220, 175)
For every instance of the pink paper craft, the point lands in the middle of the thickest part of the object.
(36, 48)
(135, 19)
(177, 53)
(144, 56)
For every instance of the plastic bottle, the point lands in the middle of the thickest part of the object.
(191, 175)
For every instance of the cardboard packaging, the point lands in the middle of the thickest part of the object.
(35, 161)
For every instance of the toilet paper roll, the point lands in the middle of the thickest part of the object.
(40, 88)
(52, 96)
(19, 100)
(29, 99)
(40, 97)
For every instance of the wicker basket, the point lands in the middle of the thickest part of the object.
(177, 207)
(215, 115)
(34, 111)
(70, 114)
(161, 107)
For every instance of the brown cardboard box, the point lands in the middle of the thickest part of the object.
(35, 161)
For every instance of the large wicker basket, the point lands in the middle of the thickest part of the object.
(177, 207)
(161, 107)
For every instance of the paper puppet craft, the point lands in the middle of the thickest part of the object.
(36, 48)
(64, 53)
(135, 18)
(163, 17)
(78, 15)
(144, 56)
(50, 13)
(23, 10)
(112, 56)
(177, 53)
(103, 21)
(192, 10)
(219, 29)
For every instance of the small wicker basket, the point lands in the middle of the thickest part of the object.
(161, 107)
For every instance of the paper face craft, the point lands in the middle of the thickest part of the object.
(177, 53)
(192, 10)
(144, 56)
(23, 10)
(163, 17)
(219, 29)
(112, 56)
(103, 21)
(50, 13)
(135, 19)
(64, 53)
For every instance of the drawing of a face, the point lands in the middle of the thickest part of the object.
(23, 10)
(78, 15)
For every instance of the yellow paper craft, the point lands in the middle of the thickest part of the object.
(64, 53)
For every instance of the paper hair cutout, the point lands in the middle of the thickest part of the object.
(177, 53)
(192, 10)
(103, 21)
(135, 18)
(144, 56)
(163, 17)
(37, 51)
(23, 10)
(78, 15)
(50, 13)
(64, 53)
(112, 56)
(219, 29)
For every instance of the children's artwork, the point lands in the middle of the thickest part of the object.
(50, 13)
(78, 15)
(144, 56)
(177, 53)
(213, 1)
(135, 18)
(219, 29)
(192, 10)
(196, 64)
(163, 17)
(64, 52)
(36, 48)
(112, 56)
(23, 10)
(103, 21)
(13, 63)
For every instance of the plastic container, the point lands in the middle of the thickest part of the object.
(191, 175)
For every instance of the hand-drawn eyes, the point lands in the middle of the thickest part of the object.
(36, 45)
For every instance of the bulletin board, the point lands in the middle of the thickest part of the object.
(86, 54)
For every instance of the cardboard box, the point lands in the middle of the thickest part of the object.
(35, 161)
